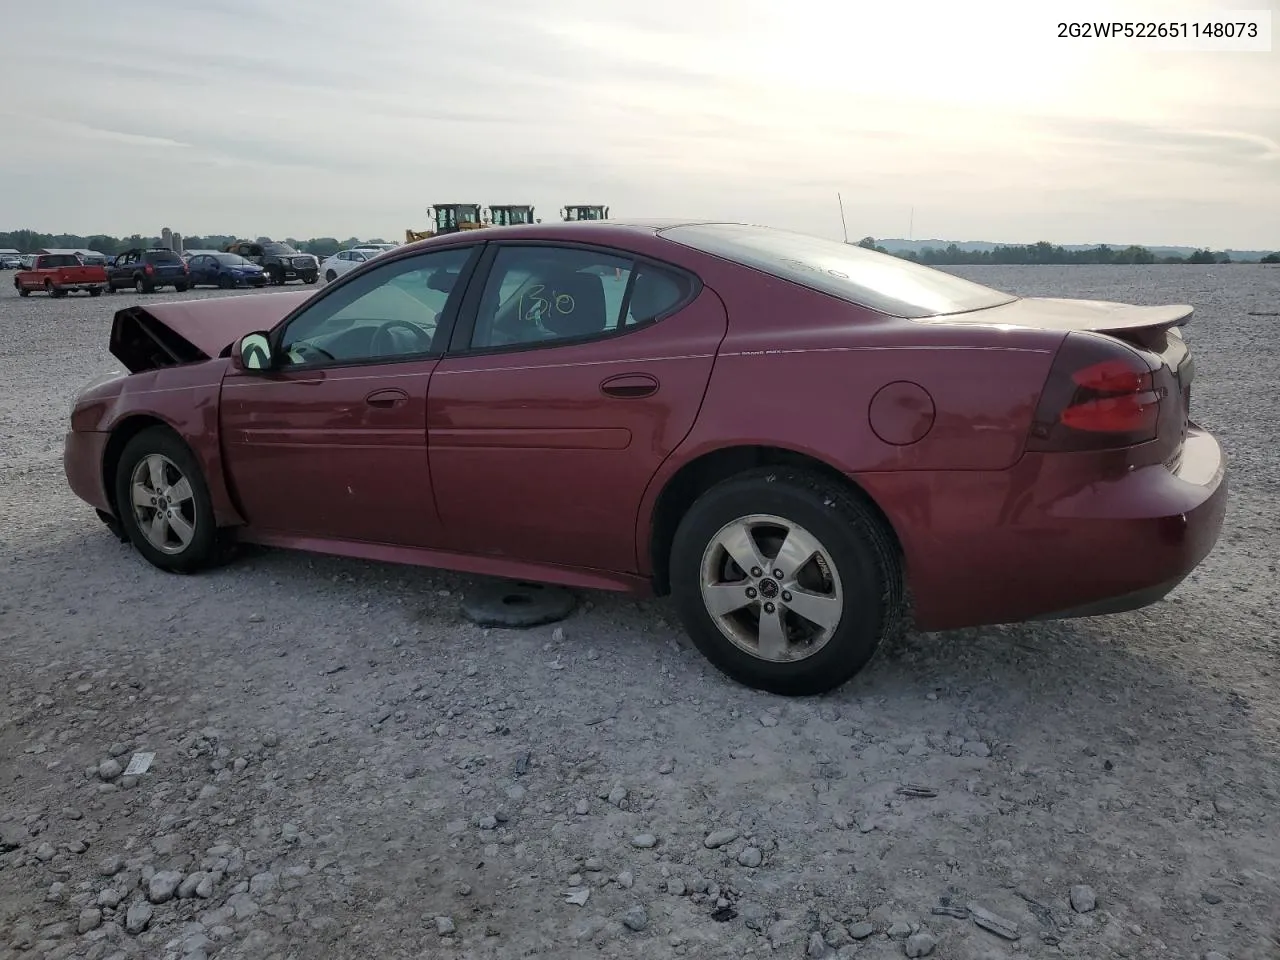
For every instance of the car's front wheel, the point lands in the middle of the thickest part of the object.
(163, 502)
(786, 581)
(330, 276)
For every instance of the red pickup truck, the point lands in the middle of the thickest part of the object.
(59, 273)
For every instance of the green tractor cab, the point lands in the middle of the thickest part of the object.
(508, 215)
(452, 217)
(584, 211)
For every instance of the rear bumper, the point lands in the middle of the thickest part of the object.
(82, 454)
(1056, 536)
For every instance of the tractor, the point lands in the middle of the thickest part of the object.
(584, 211)
(507, 215)
(449, 218)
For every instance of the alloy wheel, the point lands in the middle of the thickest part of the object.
(771, 588)
(163, 504)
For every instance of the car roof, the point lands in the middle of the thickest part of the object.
(599, 231)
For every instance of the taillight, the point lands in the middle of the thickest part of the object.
(148, 269)
(1100, 394)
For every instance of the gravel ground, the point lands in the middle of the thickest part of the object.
(344, 768)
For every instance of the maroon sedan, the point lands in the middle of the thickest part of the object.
(789, 435)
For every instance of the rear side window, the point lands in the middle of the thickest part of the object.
(878, 281)
(60, 260)
(655, 291)
(161, 256)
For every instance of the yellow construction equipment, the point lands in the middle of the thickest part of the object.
(584, 211)
(449, 218)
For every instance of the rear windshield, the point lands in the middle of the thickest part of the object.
(878, 281)
(60, 260)
(161, 256)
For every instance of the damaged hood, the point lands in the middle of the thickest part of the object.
(148, 336)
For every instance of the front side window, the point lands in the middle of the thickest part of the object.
(878, 281)
(389, 313)
(538, 294)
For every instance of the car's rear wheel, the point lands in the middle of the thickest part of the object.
(163, 502)
(141, 286)
(95, 291)
(786, 581)
(181, 287)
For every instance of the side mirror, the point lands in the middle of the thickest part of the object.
(251, 352)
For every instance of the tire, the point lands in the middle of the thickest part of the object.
(183, 549)
(330, 276)
(23, 291)
(856, 588)
(181, 287)
(226, 283)
(310, 278)
(141, 286)
(95, 291)
(277, 276)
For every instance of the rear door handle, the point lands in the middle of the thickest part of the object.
(386, 398)
(630, 385)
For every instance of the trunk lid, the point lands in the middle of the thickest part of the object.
(1053, 313)
(189, 331)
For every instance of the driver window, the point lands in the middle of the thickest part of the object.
(389, 313)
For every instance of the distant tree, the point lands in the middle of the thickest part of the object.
(868, 243)
(321, 246)
(1272, 257)
(1202, 256)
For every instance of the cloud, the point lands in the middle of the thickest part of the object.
(307, 119)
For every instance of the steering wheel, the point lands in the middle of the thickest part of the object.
(383, 344)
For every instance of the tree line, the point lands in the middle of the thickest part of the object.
(29, 241)
(1045, 253)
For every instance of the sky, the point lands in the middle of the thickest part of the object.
(954, 120)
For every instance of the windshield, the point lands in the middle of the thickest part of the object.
(878, 281)
(232, 260)
(278, 248)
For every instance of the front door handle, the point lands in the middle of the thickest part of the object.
(386, 398)
(630, 386)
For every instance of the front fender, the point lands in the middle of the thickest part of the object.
(184, 398)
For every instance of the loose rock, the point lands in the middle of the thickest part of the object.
(163, 885)
(1083, 899)
(90, 919)
(138, 918)
(644, 841)
(718, 838)
(920, 945)
(637, 918)
(862, 929)
(750, 857)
